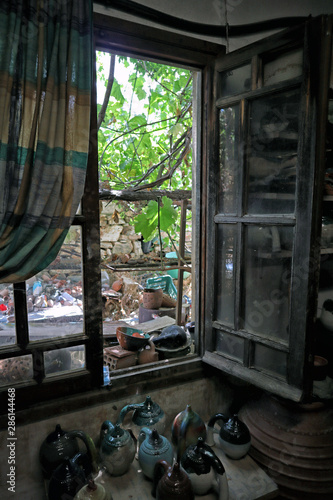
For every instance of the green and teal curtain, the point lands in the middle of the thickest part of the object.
(45, 92)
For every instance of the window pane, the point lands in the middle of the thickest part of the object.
(226, 244)
(69, 359)
(54, 296)
(272, 153)
(236, 81)
(283, 67)
(270, 360)
(267, 281)
(231, 345)
(13, 370)
(7, 318)
(229, 159)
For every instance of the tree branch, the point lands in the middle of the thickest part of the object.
(101, 114)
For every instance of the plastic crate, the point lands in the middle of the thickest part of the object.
(164, 282)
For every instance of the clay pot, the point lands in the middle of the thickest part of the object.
(148, 355)
(152, 298)
(294, 444)
(186, 428)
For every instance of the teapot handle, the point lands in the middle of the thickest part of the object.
(144, 432)
(126, 409)
(212, 458)
(161, 467)
(83, 461)
(210, 427)
(90, 446)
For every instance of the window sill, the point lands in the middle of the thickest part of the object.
(127, 382)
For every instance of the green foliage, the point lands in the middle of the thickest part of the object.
(155, 216)
(146, 131)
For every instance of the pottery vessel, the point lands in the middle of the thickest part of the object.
(186, 428)
(92, 491)
(234, 435)
(152, 298)
(61, 444)
(171, 482)
(148, 355)
(205, 470)
(146, 414)
(153, 447)
(117, 448)
(67, 479)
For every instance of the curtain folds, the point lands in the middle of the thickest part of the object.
(45, 91)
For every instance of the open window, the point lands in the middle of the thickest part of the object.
(67, 361)
(264, 185)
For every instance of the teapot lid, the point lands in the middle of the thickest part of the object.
(56, 434)
(199, 458)
(91, 490)
(116, 437)
(147, 412)
(234, 431)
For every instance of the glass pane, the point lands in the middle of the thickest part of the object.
(7, 318)
(68, 359)
(272, 153)
(229, 159)
(267, 281)
(13, 370)
(230, 344)
(236, 81)
(54, 296)
(226, 244)
(270, 360)
(283, 67)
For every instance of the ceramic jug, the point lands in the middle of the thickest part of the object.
(186, 428)
(92, 491)
(146, 414)
(205, 470)
(67, 479)
(152, 448)
(60, 444)
(148, 355)
(234, 435)
(171, 482)
(117, 448)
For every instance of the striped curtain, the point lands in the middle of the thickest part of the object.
(45, 89)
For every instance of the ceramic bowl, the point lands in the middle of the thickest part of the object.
(128, 341)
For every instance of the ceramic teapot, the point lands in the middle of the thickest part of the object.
(60, 444)
(152, 448)
(171, 482)
(205, 470)
(234, 435)
(92, 491)
(117, 448)
(146, 414)
(186, 428)
(67, 479)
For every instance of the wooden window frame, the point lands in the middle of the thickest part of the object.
(41, 398)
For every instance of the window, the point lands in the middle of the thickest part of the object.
(262, 183)
(257, 189)
(66, 358)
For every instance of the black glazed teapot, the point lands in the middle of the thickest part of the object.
(205, 470)
(234, 435)
(67, 479)
(61, 444)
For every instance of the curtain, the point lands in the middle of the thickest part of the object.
(45, 91)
